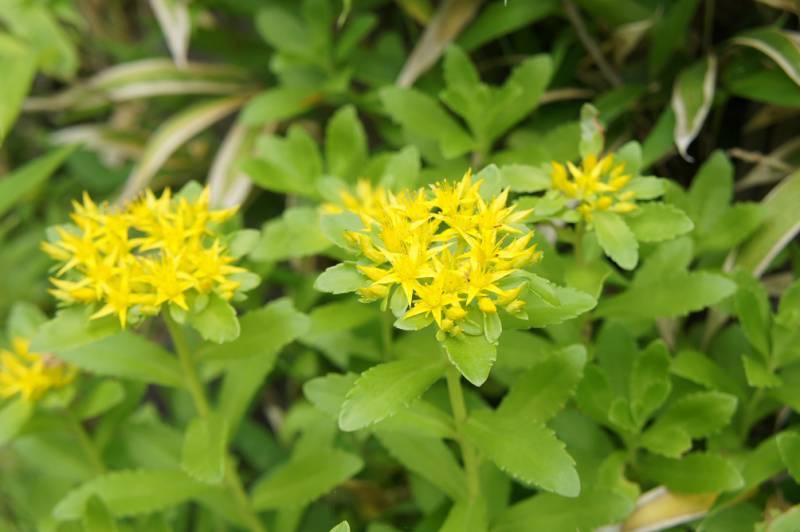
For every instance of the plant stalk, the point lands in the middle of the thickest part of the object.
(86, 443)
(460, 415)
(387, 323)
(189, 372)
(203, 410)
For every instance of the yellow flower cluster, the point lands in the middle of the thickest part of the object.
(445, 247)
(30, 374)
(596, 185)
(154, 251)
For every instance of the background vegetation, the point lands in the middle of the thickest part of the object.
(275, 104)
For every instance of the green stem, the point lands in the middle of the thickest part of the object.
(240, 496)
(577, 245)
(189, 372)
(460, 415)
(749, 412)
(387, 322)
(86, 443)
(203, 410)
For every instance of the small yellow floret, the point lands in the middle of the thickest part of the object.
(30, 375)
(152, 252)
(595, 185)
(445, 247)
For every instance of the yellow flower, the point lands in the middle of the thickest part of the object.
(595, 185)
(154, 251)
(30, 375)
(445, 248)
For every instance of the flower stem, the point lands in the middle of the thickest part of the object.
(86, 443)
(460, 415)
(240, 496)
(387, 322)
(203, 410)
(189, 372)
(580, 230)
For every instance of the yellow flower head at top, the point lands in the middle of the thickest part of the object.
(153, 251)
(30, 375)
(595, 185)
(445, 249)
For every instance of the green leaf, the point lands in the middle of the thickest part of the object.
(540, 392)
(676, 295)
(335, 226)
(217, 321)
(18, 184)
(525, 178)
(540, 286)
(778, 45)
(520, 94)
(711, 192)
(285, 32)
(593, 509)
(667, 33)
(327, 393)
(654, 222)
(681, 475)
(754, 311)
(571, 304)
(732, 228)
(508, 441)
(692, 96)
(13, 415)
(658, 143)
(616, 239)
(304, 478)
(459, 72)
(295, 234)
(24, 320)
(757, 373)
(496, 20)
(422, 116)
(340, 279)
(466, 517)
(667, 440)
(649, 382)
(288, 165)
(344, 526)
(125, 354)
(747, 78)
(71, 328)
(345, 144)
(420, 418)
(698, 368)
(472, 355)
(242, 242)
(243, 378)
(279, 103)
(264, 332)
(383, 389)
(788, 521)
(37, 24)
(130, 493)
(781, 224)
(430, 458)
(99, 399)
(17, 66)
(702, 413)
(789, 447)
(203, 455)
(402, 169)
(594, 394)
(97, 518)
